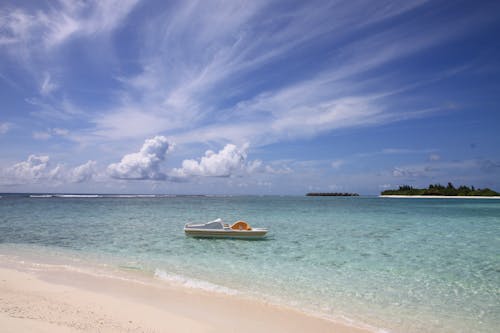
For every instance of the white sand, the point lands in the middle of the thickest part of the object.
(60, 300)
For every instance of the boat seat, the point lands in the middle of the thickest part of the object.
(240, 225)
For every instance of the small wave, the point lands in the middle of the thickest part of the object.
(131, 196)
(194, 283)
(78, 196)
(102, 196)
(212, 287)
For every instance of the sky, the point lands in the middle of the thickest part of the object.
(248, 97)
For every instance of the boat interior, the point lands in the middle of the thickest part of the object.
(240, 225)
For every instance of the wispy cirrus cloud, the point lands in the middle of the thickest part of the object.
(27, 29)
(186, 89)
(436, 169)
(49, 133)
(109, 74)
(208, 90)
(34, 35)
(47, 86)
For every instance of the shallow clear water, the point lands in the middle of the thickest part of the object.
(402, 265)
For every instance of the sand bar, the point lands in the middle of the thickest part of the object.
(62, 300)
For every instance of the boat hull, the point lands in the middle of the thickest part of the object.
(240, 234)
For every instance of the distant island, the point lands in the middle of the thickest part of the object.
(440, 190)
(334, 194)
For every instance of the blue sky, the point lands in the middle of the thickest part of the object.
(254, 97)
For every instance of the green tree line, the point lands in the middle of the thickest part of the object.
(438, 189)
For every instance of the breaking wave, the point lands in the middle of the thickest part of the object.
(193, 283)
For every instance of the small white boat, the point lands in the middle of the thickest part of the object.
(219, 229)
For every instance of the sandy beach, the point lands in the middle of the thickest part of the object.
(62, 300)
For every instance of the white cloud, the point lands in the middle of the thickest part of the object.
(335, 187)
(32, 169)
(47, 86)
(298, 112)
(283, 170)
(337, 164)
(144, 164)
(255, 166)
(15, 26)
(59, 109)
(434, 157)
(434, 169)
(222, 164)
(4, 127)
(37, 169)
(41, 135)
(60, 131)
(58, 174)
(63, 20)
(84, 172)
(406, 172)
(226, 84)
(131, 123)
(391, 151)
(177, 92)
(274, 168)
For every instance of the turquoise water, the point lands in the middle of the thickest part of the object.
(397, 265)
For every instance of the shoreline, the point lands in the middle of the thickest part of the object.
(52, 298)
(438, 196)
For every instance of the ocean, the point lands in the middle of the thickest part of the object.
(393, 265)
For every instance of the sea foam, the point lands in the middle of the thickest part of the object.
(193, 283)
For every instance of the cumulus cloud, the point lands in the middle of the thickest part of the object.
(144, 164)
(57, 174)
(229, 161)
(38, 169)
(33, 168)
(84, 172)
(221, 164)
